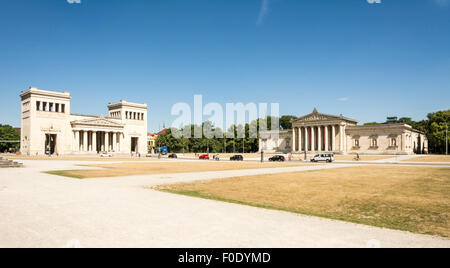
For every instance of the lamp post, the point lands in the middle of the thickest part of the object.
(446, 139)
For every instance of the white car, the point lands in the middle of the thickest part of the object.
(105, 154)
(323, 157)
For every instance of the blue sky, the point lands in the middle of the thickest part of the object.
(366, 61)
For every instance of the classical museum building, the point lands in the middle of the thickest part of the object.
(317, 132)
(49, 127)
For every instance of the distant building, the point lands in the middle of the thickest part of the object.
(317, 132)
(48, 126)
(151, 137)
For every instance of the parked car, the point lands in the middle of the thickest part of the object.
(173, 156)
(237, 158)
(323, 157)
(105, 154)
(204, 157)
(277, 158)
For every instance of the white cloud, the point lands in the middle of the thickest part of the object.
(74, 1)
(343, 99)
(263, 11)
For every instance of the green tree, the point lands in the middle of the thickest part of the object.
(8, 133)
(435, 130)
(285, 121)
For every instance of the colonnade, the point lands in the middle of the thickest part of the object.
(88, 141)
(318, 138)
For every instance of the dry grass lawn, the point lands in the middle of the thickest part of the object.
(415, 199)
(430, 158)
(362, 157)
(130, 169)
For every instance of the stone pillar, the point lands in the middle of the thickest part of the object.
(94, 141)
(319, 138)
(107, 141)
(333, 138)
(119, 141)
(85, 141)
(306, 139)
(327, 137)
(76, 146)
(341, 138)
(294, 139)
(114, 143)
(313, 139)
(299, 139)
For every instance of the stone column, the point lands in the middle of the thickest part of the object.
(114, 143)
(76, 146)
(94, 141)
(319, 138)
(306, 139)
(85, 141)
(107, 141)
(327, 137)
(341, 138)
(299, 139)
(313, 139)
(294, 139)
(333, 138)
(119, 141)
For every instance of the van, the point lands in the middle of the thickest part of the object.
(323, 157)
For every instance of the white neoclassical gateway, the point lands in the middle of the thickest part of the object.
(48, 126)
(317, 132)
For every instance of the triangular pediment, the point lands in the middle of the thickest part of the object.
(97, 122)
(316, 116)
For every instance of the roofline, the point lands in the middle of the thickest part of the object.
(94, 116)
(46, 93)
(329, 115)
(389, 125)
(123, 103)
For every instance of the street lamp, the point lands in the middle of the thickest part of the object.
(446, 139)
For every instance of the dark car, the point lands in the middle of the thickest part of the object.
(277, 158)
(237, 158)
(173, 156)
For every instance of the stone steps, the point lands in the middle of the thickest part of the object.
(5, 163)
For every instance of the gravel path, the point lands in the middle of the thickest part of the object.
(41, 210)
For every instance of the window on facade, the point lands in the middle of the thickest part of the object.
(356, 143)
(38, 106)
(44, 106)
(393, 142)
(50, 106)
(63, 108)
(57, 107)
(374, 142)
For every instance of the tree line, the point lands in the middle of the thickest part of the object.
(434, 127)
(220, 143)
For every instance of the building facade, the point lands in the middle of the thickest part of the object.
(317, 132)
(49, 127)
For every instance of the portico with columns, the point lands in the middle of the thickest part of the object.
(97, 135)
(317, 132)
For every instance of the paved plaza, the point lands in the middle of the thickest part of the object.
(42, 210)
